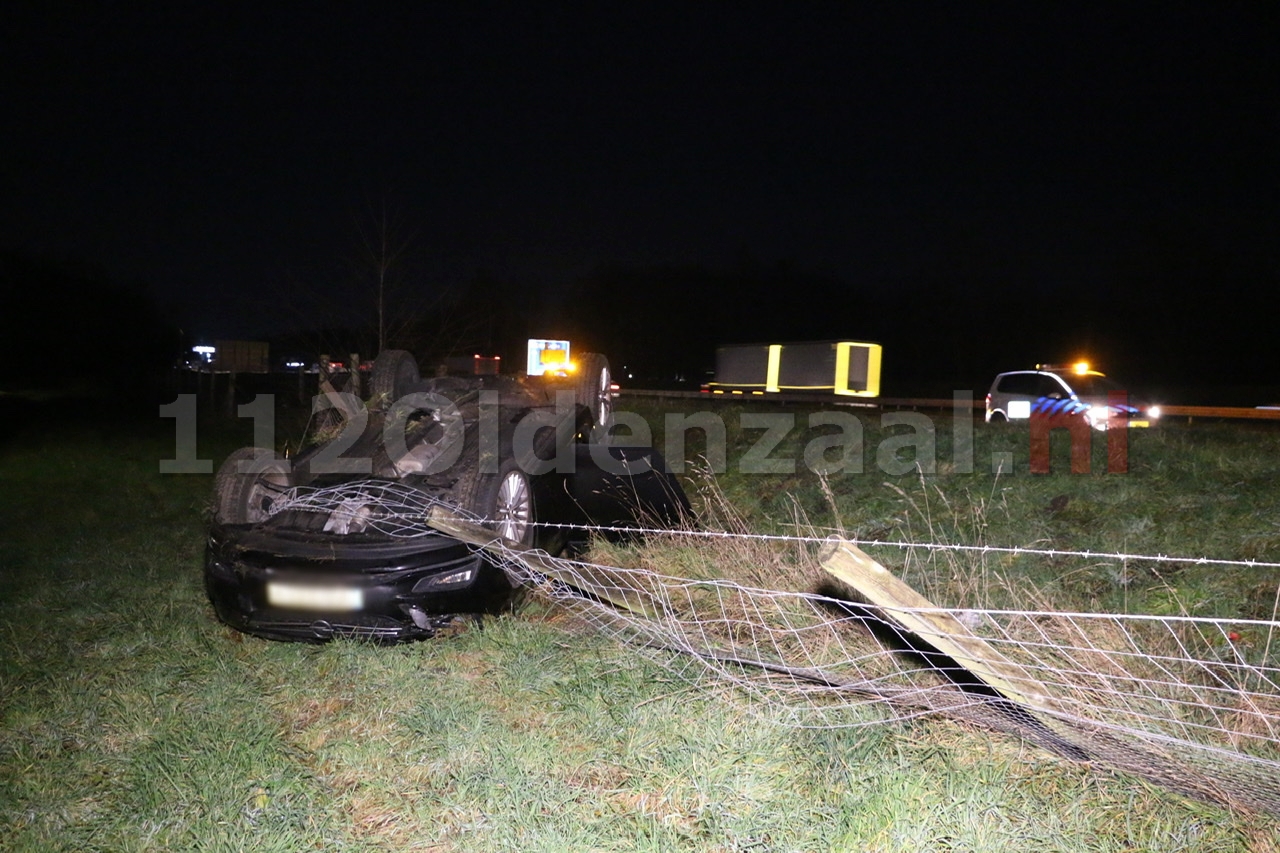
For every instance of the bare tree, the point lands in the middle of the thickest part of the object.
(386, 258)
(382, 297)
(428, 318)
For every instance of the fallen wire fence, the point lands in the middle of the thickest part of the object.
(1191, 704)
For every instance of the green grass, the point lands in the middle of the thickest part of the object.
(1202, 490)
(131, 720)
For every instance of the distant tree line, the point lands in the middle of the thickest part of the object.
(1163, 304)
(1172, 315)
(66, 325)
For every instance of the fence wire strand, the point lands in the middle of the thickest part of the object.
(1190, 703)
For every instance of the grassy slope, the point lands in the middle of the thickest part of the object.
(1200, 490)
(130, 720)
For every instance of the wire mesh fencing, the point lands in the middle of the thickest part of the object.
(1189, 703)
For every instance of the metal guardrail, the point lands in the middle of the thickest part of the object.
(978, 402)
(1188, 412)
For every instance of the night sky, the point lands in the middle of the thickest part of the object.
(978, 186)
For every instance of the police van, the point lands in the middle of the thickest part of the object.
(1065, 391)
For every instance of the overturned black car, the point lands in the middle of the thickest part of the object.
(333, 542)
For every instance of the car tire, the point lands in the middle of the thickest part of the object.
(395, 372)
(505, 503)
(593, 390)
(997, 418)
(248, 484)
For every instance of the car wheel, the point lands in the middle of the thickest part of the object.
(997, 418)
(249, 484)
(505, 502)
(594, 385)
(395, 372)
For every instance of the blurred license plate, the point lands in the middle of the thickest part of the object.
(303, 597)
(1139, 423)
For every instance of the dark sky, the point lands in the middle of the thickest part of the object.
(223, 154)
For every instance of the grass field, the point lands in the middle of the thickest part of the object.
(131, 720)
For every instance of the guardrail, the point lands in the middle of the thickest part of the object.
(1188, 412)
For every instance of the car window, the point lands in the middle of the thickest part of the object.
(1050, 386)
(1018, 383)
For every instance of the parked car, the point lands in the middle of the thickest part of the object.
(1066, 391)
(332, 542)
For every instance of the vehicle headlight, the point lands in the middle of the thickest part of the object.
(1097, 416)
(1153, 412)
